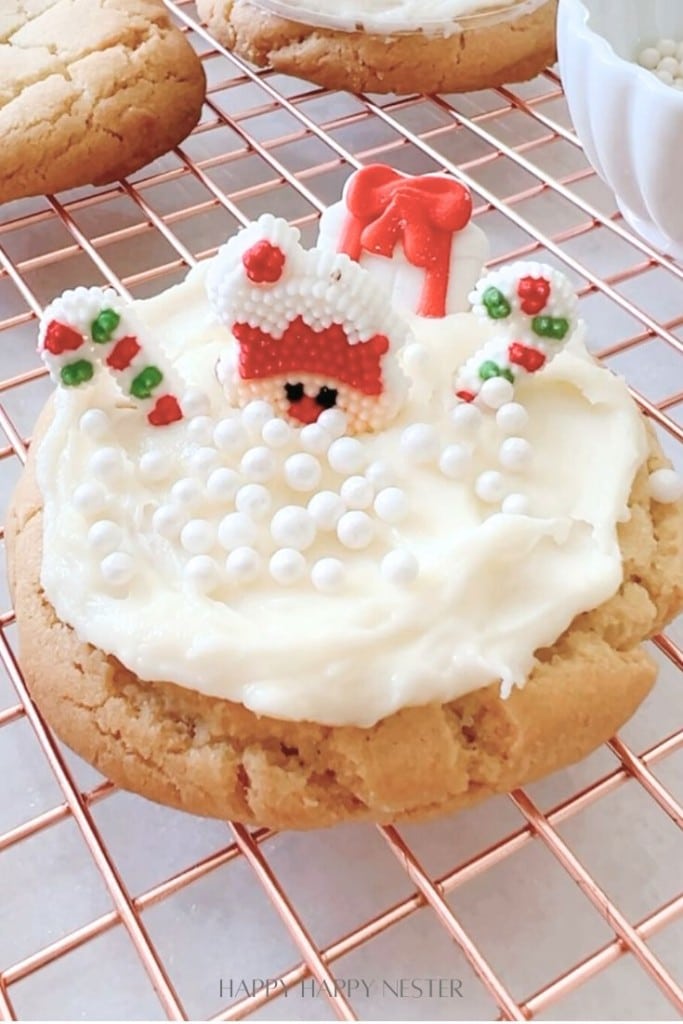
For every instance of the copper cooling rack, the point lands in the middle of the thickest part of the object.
(608, 945)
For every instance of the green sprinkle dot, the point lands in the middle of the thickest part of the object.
(104, 326)
(77, 373)
(489, 369)
(495, 303)
(508, 374)
(146, 381)
(555, 328)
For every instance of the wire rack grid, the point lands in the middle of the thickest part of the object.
(559, 900)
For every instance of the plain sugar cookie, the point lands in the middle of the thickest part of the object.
(90, 92)
(477, 44)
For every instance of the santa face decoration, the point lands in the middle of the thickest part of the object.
(312, 331)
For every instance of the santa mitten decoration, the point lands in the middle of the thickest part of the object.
(413, 234)
(534, 310)
(313, 331)
(89, 331)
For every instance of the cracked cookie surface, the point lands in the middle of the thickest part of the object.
(479, 57)
(90, 91)
(214, 757)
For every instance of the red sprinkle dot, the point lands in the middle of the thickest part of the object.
(60, 338)
(166, 410)
(123, 353)
(465, 396)
(534, 293)
(264, 263)
(529, 358)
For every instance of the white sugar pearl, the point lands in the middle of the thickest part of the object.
(649, 58)
(496, 391)
(230, 436)
(236, 530)
(255, 415)
(326, 509)
(244, 564)
(253, 500)
(490, 486)
(287, 566)
(516, 505)
(391, 505)
(667, 47)
(223, 484)
(167, 520)
(666, 77)
(420, 442)
(515, 454)
(293, 527)
(198, 536)
(346, 455)
(314, 438)
(455, 461)
(258, 464)
(355, 530)
(276, 433)
(203, 460)
(333, 421)
(327, 575)
(415, 359)
(466, 418)
(200, 429)
(669, 64)
(303, 472)
(380, 474)
(512, 418)
(195, 403)
(357, 492)
(400, 567)
(202, 573)
(106, 464)
(666, 486)
(94, 424)
(89, 498)
(186, 491)
(104, 536)
(155, 465)
(118, 568)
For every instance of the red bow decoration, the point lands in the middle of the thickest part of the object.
(386, 208)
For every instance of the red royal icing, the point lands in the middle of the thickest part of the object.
(534, 293)
(423, 213)
(60, 338)
(306, 410)
(465, 396)
(325, 353)
(264, 263)
(166, 410)
(529, 358)
(123, 353)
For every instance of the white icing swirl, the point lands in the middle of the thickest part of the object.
(430, 593)
(439, 17)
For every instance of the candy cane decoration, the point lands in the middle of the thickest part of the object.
(534, 308)
(87, 330)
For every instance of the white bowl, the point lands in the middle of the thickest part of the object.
(629, 122)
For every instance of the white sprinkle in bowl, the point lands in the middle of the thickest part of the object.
(629, 122)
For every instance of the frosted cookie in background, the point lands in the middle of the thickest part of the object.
(391, 46)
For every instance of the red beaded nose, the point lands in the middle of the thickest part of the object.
(306, 410)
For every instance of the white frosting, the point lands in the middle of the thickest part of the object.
(392, 16)
(337, 614)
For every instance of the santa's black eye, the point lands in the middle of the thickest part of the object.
(327, 398)
(294, 392)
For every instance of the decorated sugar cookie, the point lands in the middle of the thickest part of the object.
(89, 331)
(313, 331)
(413, 234)
(534, 311)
